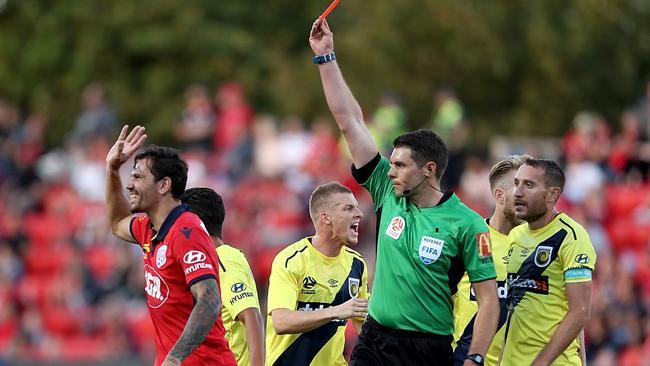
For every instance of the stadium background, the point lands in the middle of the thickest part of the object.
(232, 85)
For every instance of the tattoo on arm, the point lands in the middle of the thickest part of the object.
(205, 313)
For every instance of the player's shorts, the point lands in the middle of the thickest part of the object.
(378, 346)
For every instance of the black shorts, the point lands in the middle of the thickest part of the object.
(378, 345)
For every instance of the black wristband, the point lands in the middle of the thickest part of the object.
(476, 358)
(321, 59)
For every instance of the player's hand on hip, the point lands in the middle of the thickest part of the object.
(321, 38)
(125, 146)
(353, 308)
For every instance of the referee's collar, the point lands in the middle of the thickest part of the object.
(445, 197)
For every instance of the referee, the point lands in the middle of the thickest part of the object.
(426, 239)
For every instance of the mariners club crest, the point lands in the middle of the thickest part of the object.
(543, 256)
(353, 287)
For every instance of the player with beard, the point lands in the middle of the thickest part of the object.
(503, 219)
(549, 273)
(180, 263)
(317, 284)
(426, 239)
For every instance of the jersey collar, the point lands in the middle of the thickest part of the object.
(445, 197)
(169, 221)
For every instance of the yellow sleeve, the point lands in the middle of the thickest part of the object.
(578, 257)
(284, 285)
(364, 291)
(238, 289)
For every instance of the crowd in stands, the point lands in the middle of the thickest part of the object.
(70, 291)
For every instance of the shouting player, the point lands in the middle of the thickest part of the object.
(317, 284)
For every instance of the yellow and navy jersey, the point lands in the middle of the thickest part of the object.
(238, 293)
(540, 265)
(304, 279)
(466, 307)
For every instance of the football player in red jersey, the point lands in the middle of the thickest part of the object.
(180, 264)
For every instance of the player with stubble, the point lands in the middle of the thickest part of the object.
(549, 273)
(426, 238)
(180, 263)
(502, 220)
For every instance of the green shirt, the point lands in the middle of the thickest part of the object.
(422, 253)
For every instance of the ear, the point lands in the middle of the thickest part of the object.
(325, 219)
(430, 169)
(164, 185)
(554, 194)
(499, 196)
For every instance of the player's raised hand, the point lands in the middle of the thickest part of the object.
(125, 146)
(321, 38)
(353, 308)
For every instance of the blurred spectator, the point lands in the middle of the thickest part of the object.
(474, 185)
(642, 111)
(295, 143)
(89, 166)
(195, 128)
(267, 158)
(625, 145)
(8, 122)
(233, 116)
(388, 122)
(322, 157)
(448, 121)
(97, 116)
(583, 177)
(448, 114)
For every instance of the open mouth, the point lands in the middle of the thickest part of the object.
(133, 197)
(355, 227)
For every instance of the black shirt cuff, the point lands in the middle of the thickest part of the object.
(361, 175)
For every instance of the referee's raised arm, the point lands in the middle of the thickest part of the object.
(341, 101)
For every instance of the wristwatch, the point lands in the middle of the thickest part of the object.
(321, 59)
(478, 359)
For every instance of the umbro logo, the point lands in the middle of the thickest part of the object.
(308, 282)
(186, 232)
(332, 282)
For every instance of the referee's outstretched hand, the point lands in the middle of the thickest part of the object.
(321, 38)
(125, 146)
(353, 308)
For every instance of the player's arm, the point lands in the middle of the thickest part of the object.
(487, 318)
(254, 325)
(341, 101)
(583, 351)
(579, 297)
(117, 208)
(206, 311)
(287, 321)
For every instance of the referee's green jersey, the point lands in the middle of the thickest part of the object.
(422, 253)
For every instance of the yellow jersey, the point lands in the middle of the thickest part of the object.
(465, 306)
(541, 263)
(238, 293)
(304, 279)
